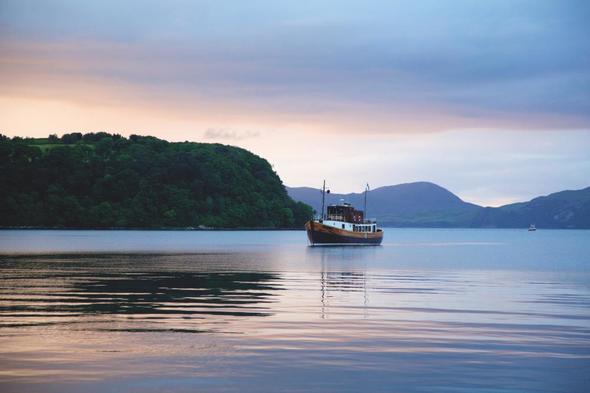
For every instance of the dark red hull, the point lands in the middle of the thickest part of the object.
(318, 233)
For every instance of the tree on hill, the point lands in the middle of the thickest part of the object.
(106, 180)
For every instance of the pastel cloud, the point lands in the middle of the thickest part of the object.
(231, 135)
(354, 75)
(461, 64)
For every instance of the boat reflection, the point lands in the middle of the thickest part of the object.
(344, 271)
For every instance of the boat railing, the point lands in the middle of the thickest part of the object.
(335, 217)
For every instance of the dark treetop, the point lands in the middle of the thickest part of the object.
(104, 180)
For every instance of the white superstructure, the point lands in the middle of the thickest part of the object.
(349, 226)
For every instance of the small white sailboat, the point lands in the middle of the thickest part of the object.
(532, 228)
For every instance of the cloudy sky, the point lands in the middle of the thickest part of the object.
(488, 99)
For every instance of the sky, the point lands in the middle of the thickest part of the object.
(490, 100)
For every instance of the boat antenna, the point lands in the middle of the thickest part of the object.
(365, 210)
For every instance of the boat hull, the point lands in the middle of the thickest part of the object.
(318, 234)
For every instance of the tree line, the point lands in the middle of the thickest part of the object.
(100, 180)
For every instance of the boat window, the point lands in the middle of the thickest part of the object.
(342, 226)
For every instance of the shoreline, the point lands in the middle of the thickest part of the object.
(205, 229)
(152, 229)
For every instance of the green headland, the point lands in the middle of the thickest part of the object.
(101, 180)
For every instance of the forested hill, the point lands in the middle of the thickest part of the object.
(104, 180)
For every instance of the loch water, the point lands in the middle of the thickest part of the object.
(431, 310)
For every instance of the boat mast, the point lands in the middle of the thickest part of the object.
(365, 209)
(323, 199)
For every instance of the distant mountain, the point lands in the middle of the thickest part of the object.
(424, 204)
(565, 209)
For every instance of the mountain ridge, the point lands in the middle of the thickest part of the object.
(426, 204)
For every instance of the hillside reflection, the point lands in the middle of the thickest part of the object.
(175, 293)
(77, 290)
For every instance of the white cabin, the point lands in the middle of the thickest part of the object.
(344, 216)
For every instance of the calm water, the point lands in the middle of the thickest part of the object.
(429, 311)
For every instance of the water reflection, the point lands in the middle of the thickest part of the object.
(174, 293)
(61, 291)
(287, 318)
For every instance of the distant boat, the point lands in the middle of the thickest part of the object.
(343, 225)
(532, 228)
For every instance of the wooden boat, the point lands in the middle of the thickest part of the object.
(343, 225)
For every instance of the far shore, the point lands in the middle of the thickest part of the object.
(201, 229)
(152, 228)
